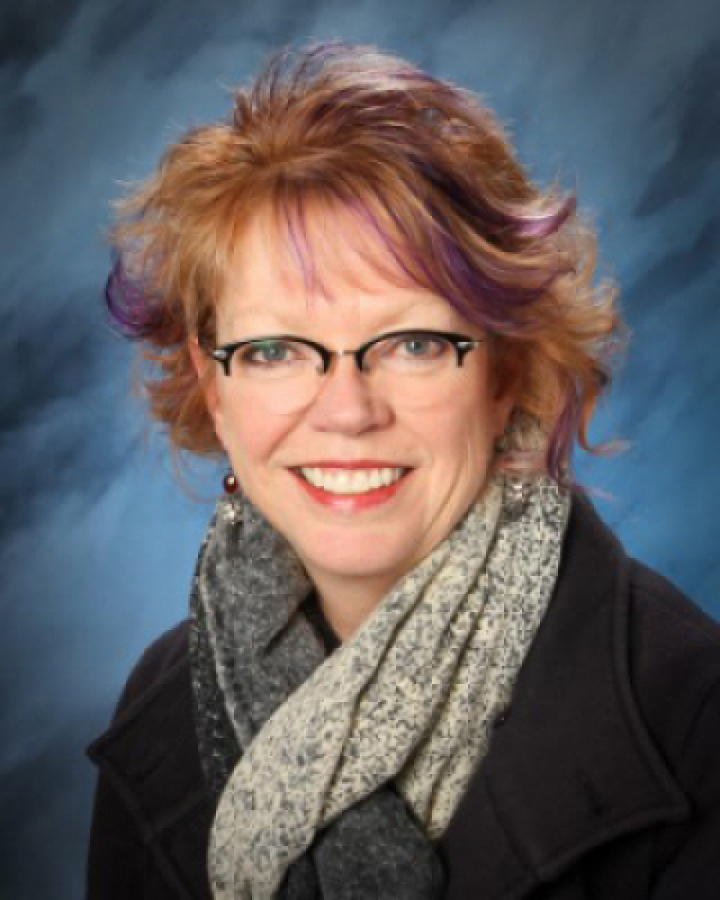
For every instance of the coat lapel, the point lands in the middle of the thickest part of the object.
(571, 765)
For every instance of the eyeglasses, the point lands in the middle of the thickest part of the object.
(413, 367)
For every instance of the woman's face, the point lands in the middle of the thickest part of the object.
(446, 446)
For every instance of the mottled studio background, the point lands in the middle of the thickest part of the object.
(621, 98)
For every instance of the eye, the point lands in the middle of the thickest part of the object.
(419, 347)
(270, 352)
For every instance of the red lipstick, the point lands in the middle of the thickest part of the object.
(350, 503)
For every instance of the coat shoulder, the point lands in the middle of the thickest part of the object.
(673, 656)
(162, 661)
(660, 605)
(674, 664)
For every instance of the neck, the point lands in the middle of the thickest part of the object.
(347, 603)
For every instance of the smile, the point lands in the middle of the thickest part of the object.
(351, 481)
(352, 488)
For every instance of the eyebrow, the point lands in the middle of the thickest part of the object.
(289, 323)
(268, 335)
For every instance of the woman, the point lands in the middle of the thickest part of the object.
(416, 664)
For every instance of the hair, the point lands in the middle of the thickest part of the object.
(424, 164)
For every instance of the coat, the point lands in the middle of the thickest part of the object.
(601, 782)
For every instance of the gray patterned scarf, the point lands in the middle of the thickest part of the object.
(335, 774)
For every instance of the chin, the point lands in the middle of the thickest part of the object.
(357, 562)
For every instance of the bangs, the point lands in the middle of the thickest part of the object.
(406, 239)
(333, 234)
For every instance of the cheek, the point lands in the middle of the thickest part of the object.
(468, 426)
(248, 436)
(222, 420)
(233, 427)
(465, 447)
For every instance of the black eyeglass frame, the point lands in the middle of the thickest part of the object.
(462, 343)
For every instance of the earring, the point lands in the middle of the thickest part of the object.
(230, 483)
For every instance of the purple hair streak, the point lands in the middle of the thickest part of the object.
(133, 312)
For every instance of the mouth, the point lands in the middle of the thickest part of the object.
(347, 481)
(354, 487)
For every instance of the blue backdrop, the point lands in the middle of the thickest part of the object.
(621, 99)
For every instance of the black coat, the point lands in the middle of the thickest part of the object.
(602, 781)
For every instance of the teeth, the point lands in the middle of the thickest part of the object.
(351, 481)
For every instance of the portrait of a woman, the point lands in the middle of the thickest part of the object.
(417, 664)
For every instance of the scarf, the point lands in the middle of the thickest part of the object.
(336, 774)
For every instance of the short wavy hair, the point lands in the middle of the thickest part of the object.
(429, 168)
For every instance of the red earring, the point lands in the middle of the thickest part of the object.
(230, 483)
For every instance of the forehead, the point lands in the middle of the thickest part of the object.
(334, 267)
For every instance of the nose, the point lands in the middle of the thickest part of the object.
(346, 402)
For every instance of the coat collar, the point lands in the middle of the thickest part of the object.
(571, 764)
(570, 767)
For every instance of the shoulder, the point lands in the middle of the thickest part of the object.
(153, 811)
(674, 667)
(162, 662)
(657, 627)
(669, 602)
(661, 614)
(157, 699)
(673, 657)
(149, 751)
(630, 624)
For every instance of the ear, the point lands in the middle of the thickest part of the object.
(506, 384)
(206, 374)
(504, 407)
